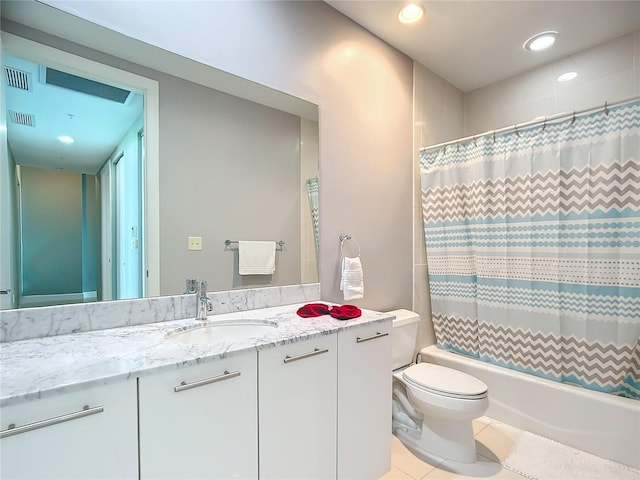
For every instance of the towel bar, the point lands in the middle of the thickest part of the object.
(279, 243)
(343, 238)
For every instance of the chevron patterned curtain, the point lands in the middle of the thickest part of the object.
(533, 249)
(313, 185)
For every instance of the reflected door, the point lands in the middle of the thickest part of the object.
(127, 225)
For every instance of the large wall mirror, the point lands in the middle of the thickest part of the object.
(109, 215)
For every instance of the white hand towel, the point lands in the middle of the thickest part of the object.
(352, 281)
(256, 258)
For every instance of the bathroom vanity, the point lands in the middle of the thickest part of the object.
(307, 398)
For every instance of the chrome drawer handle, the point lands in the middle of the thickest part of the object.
(372, 337)
(316, 351)
(186, 386)
(86, 411)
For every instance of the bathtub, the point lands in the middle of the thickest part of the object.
(602, 424)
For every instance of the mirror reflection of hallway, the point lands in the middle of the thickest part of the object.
(59, 217)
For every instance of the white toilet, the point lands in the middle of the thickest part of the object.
(433, 406)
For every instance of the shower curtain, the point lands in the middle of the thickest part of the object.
(533, 248)
(312, 191)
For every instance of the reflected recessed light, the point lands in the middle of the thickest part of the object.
(565, 77)
(410, 13)
(541, 41)
(66, 139)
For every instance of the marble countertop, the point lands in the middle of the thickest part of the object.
(41, 367)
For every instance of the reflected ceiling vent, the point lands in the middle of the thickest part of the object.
(17, 78)
(20, 118)
(83, 85)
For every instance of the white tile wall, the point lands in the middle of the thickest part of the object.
(606, 72)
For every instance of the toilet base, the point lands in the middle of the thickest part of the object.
(435, 427)
(449, 439)
(440, 438)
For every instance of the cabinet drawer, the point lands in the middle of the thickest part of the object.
(89, 434)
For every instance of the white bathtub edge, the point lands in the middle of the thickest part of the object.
(602, 424)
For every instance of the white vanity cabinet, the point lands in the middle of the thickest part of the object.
(88, 434)
(364, 401)
(297, 413)
(200, 421)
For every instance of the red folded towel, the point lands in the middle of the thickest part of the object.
(313, 310)
(345, 312)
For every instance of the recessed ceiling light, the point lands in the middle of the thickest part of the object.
(540, 41)
(66, 139)
(565, 77)
(410, 13)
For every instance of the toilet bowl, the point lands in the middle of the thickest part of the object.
(433, 406)
(447, 401)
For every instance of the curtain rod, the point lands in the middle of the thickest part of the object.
(537, 121)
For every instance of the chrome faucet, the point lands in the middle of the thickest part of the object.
(204, 304)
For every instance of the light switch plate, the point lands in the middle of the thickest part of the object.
(194, 243)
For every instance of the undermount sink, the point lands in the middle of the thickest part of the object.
(222, 331)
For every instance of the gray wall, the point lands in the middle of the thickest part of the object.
(229, 169)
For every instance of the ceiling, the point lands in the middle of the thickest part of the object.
(97, 125)
(472, 44)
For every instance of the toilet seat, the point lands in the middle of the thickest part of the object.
(445, 381)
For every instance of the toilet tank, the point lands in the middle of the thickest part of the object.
(405, 334)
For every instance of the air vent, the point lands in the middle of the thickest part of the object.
(21, 118)
(17, 78)
(83, 85)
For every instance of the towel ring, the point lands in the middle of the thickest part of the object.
(343, 238)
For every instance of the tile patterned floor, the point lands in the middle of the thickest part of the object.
(494, 441)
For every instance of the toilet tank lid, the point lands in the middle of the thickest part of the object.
(404, 317)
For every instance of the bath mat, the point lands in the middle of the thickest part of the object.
(543, 459)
